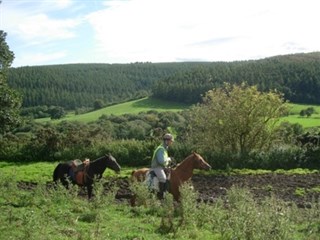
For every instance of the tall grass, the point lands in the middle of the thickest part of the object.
(238, 215)
(45, 212)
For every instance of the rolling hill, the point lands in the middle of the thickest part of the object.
(73, 86)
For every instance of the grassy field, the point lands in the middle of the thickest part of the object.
(41, 172)
(131, 107)
(42, 213)
(147, 104)
(306, 122)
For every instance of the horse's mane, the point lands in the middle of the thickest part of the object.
(104, 156)
(185, 161)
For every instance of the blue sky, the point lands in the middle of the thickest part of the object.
(45, 32)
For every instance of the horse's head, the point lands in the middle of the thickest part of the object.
(112, 163)
(200, 163)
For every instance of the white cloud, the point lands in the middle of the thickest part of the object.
(63, 3)
(40, 28)
(30, 59)
(141, 30)
(162, 30)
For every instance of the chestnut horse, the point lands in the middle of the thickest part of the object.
(178, 175)
(93, 170)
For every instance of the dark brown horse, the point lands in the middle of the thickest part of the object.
(65, 172)
(178, 175)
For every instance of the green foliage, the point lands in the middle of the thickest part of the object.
(296, 76)
(66, 214)
(6, 57)
(56, 112)
(130, 152)
(267, 220)
(288, 132)
(74, 86)
(10, 100)
(143, 105)
(300, 192)
(307, 112)
(98, 104)
(236, 119)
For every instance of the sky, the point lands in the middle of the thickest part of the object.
(47, 32)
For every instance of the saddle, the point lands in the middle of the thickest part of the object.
(78, 171)
(153, 182)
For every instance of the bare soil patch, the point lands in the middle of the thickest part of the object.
(301, 189)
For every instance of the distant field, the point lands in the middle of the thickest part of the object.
(132, 107)
(306, 122)
(147, 104)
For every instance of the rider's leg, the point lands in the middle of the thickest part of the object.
(162, 189)
(161, 175)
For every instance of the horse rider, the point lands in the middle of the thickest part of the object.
(161, 160)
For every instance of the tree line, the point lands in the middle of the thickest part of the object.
(74, 86)
(297, 76)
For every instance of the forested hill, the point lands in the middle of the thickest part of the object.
(80, 85)
(296, 75)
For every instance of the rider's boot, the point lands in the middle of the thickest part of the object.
(162, 189)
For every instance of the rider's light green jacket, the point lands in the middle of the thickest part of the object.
(160, 157)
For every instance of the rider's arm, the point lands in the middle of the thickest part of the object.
(161, 157)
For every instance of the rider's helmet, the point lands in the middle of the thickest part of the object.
(168, 136)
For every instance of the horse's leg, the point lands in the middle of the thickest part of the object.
(174, 189)
(65, 181)
(89, 189)
(89, 186)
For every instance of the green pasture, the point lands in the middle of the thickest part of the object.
(148, 104)
(306, 122)
(130, 107)
(295, 108)
(41, 172)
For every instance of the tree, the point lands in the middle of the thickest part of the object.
(10, 100)
(236, 119)
(307, 112)
(56, 112)
(98, 104)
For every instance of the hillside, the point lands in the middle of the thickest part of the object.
(73, 86)
(297, 76)
(130, 107)
(151, 104)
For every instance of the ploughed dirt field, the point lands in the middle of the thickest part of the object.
(301, 189)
